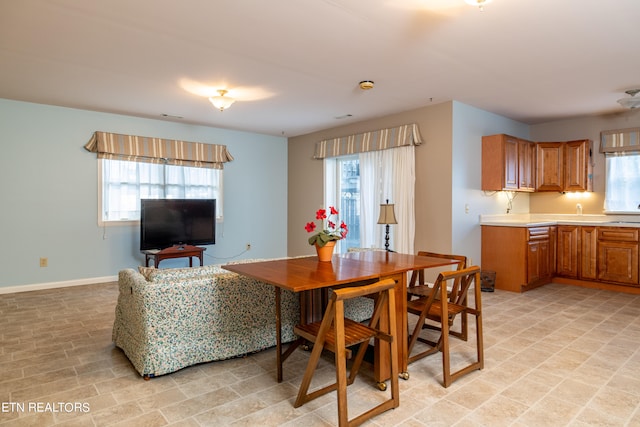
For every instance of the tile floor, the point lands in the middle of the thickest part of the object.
(555, 356)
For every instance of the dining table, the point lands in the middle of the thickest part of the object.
(305, 274)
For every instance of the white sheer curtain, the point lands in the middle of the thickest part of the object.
(388, 174)
(124, 183)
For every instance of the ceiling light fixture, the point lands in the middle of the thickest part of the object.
(631, 102)
(366, 84)
(479, 3)
(222, 102)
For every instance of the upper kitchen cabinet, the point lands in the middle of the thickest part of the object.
(508, 163)
(563, 166)
(550, 161)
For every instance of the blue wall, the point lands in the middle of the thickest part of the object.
(468, 200)
(48, 196)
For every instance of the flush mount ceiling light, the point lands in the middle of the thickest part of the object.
(479, 3)
(366, 84)
(222, 102)
(632, 101)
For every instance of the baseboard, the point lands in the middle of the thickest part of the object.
(53, 285)
(628, 289)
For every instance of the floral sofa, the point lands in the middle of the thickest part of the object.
(168, 319)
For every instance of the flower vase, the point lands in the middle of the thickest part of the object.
(325, 253)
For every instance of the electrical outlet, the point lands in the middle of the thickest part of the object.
(44, 262)
(248, 246)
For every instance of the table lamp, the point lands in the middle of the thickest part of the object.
(387, 216)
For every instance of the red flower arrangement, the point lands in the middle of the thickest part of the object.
(329, 232)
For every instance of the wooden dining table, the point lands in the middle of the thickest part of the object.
(303, 274)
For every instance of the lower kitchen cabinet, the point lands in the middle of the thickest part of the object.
(588, 253)
(526, 257)
(567, 251)
(522, 257)
(618, 255)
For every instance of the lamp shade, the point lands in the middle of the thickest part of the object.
(387, 215)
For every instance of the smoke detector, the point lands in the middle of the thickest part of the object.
(368, 84)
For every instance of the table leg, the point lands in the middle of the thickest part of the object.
(278, 335)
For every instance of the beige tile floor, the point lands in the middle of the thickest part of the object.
(555, 356)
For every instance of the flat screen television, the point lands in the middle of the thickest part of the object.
(169, 222)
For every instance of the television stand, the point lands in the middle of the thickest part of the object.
(178, 251)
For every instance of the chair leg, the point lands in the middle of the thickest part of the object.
(341, 364)
(449, 377)
(303, 395)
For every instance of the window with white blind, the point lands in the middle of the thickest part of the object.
(621, 148)
(123, 183)
(622, 184)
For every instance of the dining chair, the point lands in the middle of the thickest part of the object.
(418, 287)
(437, 307)
(338, 334)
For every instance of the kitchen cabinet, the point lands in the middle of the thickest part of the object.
(526, 165)
(618, 255)
(539, 255)
(567, 251)
(527, 256)
(563, 166)
(521, 256)
(508, 163)
(588, 253)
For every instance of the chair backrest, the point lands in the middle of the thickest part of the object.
(350, 292)
(462, 279)
(418, 276)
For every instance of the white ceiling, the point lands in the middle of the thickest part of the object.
(301, 60)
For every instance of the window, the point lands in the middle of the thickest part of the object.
(123, 183)
(343, 192)
(357, 184)
(622, 185)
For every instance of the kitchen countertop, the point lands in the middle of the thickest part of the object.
(541, 220)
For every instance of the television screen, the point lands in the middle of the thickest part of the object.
(168, 222)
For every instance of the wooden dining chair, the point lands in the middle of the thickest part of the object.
(436, 306)
(337, 334)
(418, 288)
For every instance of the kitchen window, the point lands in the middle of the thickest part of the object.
(621, 148)
(622, 183)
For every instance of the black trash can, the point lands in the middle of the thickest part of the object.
(487, 280)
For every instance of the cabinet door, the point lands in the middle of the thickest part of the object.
(588, 255)
(549, 170)
(538, 255)
(538, 262)
(618, 255)
(499, 163)
(567, 251)
(577, 166)
(511, 163)
(618, 262)
(526, 165)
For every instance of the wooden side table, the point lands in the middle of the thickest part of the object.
(180, 251)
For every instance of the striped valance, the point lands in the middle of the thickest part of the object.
(369, 141)
(158, 150)
(615, 141)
